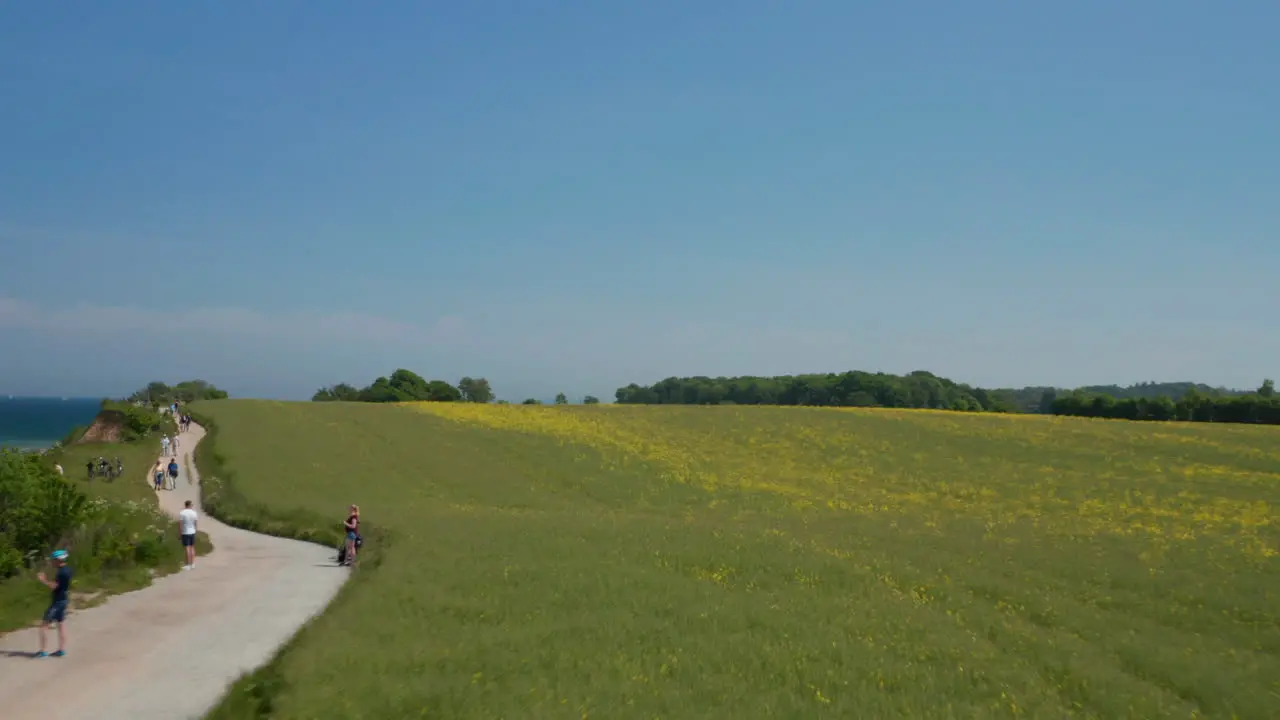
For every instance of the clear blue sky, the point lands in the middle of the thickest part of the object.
(576, 195)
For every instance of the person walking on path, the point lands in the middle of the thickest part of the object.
(158, 471)
(57, 612)
(164, 445)
(187, 519)
(174, 445)
(173, 474)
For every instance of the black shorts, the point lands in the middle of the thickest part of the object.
(188, 540)
(57, 612)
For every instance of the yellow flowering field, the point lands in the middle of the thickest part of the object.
(649, 561)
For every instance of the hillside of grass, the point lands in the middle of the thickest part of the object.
(620, 562)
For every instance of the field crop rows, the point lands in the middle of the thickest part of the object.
(786, 562)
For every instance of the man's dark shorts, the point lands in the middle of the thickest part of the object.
(57, 612)
(188, 540)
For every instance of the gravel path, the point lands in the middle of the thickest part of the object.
(169, 651)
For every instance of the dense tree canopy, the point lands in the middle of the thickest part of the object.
(158, 393)
(475, 390)
(407, 386)
(1194, 406)
(919, 389)
(1039, 398)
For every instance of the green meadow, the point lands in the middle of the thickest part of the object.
(741, 562)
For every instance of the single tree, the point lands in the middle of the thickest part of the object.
(475, 390)
(561, 399)
(591, 400)
(531, 401)
(1268, 388)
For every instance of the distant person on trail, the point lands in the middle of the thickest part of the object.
(173, 474)
(89, 465)
(57, 612)
(159, 475)
(353, 531)
(119, 467)
(187, 519)
(164, 445)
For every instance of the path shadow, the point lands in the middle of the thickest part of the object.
(18, 653)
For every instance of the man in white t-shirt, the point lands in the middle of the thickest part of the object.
(164, 445)
(187, 522)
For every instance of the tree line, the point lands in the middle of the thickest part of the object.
(407, 386)
(855, 388)
(158, 394)
(1039, 398)
(920, 389)
(1261, 406)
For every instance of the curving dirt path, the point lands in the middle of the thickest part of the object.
(170, 650)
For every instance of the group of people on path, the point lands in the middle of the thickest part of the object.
(161, 471)
(182, 419)
(103, 468)
(169, 446)
(188, 522)
(60, 585)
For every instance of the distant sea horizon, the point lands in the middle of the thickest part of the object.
(36, 423)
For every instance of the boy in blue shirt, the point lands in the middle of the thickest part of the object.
(57, 612)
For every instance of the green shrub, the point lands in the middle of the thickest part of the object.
(10, 559)
(135, 421)
(148, 550)
(37, 506)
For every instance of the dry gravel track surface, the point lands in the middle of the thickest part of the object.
(169, 651)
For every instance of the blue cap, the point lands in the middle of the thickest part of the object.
(59, 555)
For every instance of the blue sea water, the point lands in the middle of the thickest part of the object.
(37, 423)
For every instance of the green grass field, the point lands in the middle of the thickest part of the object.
(138, 458)
(691, 562)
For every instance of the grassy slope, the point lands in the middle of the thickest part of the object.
(721, 562)
(23, 599)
